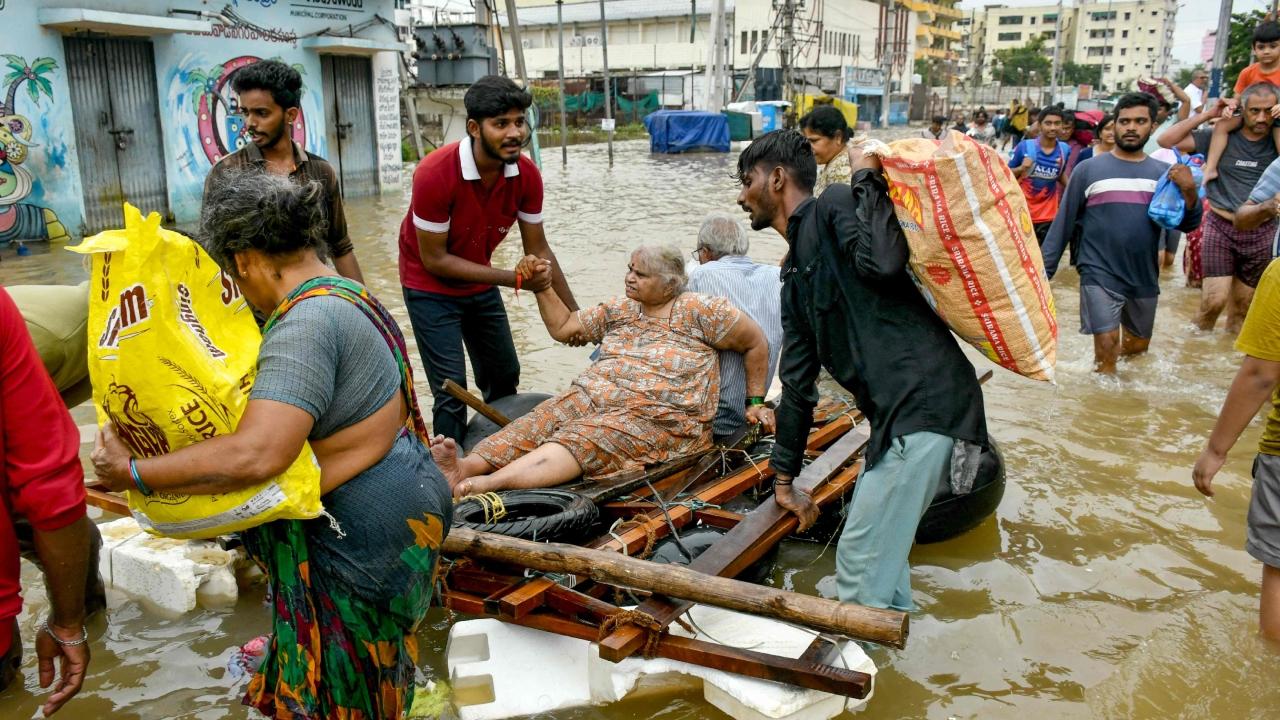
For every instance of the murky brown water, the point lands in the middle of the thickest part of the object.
(1105, 586)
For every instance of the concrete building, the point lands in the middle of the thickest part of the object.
(1127, 40)
(130, 101)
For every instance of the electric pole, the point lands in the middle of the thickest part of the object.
(786, 51)
(1220, 49)
(564, 129)
(1057, 53)
(608, 90)
(716, 59)
(888, 48)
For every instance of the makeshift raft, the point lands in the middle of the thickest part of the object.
(589, 590)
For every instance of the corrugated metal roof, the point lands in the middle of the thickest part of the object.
(589, 12)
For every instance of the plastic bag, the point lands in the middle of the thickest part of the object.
(974, 254)
(173, 349)
(1168, 207)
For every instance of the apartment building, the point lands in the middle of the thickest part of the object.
(1128, 40)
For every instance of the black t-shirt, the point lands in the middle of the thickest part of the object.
(1242, 164)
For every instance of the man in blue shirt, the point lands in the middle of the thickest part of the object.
(1041, 167)
(755, 289)
(1106, 201)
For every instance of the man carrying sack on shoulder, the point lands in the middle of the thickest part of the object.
(849, 305)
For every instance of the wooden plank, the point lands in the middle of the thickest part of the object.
(887, 627)
(97, 496)
(524, 599)
(723, 519)
(460, 393)
(791, 671)
(739, 542)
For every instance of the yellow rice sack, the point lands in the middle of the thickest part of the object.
(974, 253)
(173, 349)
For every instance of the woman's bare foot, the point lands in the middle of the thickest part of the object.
(445, 453)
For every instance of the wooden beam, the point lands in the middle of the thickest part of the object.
(745, 539)
(98, 496)
(460, 393)
(792, 671)
(887, 627)
(715, 517)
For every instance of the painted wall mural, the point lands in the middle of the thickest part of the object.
(218, 124)
(22, 218)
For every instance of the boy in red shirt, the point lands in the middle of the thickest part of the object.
(1266, 47)
(466, 197)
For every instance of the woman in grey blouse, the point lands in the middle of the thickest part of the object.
(349, 590)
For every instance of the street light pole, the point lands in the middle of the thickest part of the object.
(564, 125)
(1220, 49)
(608, 90)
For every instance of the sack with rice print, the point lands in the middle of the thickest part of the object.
(173, 349)
(974, 253)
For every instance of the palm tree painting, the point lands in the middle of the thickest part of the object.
(21, 220)
(34, 75)
(220, 127)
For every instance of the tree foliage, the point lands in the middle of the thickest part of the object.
(1078, 74)
(1016, 65)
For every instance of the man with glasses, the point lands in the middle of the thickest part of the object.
(269, 97)
(724, 270)
(1196, 90)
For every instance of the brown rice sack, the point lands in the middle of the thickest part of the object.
(974, 253)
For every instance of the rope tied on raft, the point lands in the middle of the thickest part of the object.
(441, 582)
(724, 460)
(491, 504)
(639, 520)
(643, 620)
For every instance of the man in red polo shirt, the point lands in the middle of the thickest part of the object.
(41, 481)
(466, 197)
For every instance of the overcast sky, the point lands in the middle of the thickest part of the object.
(1195, 19)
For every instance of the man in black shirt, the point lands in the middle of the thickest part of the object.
(849, 305)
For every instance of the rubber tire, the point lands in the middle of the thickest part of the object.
(513, 406)
(698, 540)
(574, 515)
(951, 515)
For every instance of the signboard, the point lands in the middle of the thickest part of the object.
(1085, 92)
(862, 81)
(607, 124)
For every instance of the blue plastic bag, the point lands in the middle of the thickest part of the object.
(1167, 206)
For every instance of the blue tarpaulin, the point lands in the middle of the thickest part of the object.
(677, 131)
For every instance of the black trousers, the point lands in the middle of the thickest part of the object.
(443, 326)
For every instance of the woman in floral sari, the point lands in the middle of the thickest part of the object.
(649, 396)
(348, 590)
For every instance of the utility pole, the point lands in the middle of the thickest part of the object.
(1057, 52)
(888, 47)
(693, 19)
(1220, 50)
(716, 59)
(517, 49)
(564, 125)
(608, 89)
(786, 51)
(1166, 33)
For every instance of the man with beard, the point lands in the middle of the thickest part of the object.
(1119, 252)
(849, 305)
(1233, 255)
(269, 94)
(466, 197)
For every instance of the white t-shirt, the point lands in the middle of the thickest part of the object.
(1196, 95)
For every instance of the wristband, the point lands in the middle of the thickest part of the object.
(783, 483)
(137, 479)
(84, 636)
(755, 400)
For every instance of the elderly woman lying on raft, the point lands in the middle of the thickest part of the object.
(648, 398)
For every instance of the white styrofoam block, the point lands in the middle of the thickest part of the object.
(501, 671)
(175, 575)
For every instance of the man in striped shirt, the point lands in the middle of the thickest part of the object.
(755, 289)
(1106, 202)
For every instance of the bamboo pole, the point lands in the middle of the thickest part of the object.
(476, 403)
(887, 627)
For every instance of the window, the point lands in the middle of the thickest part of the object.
(1101, 16)
(1121, 68)
(1009, 37)
(1123, 51)
(1106, 33)
(1126, 15)
(743, 51)
(1050, 18)
(1049, 34)
(1124, 34)
(755, 38)
(1010, 19)
(1032, 20)
(1097, 52)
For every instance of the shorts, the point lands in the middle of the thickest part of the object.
(1169, 240)
(1042, 231)
(1262, 537)
(1103, 310)
(1228, 252)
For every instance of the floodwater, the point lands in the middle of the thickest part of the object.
(1103, 587)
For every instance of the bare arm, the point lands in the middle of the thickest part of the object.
(747, 338)
(562, 323)
(1179, 134)
(268, 439)
(433, 248)
(534, 237)
(1184, 100)
(1252, 214)
(348, 267)
(1253, 384)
